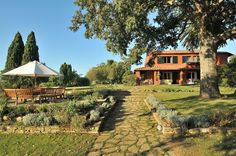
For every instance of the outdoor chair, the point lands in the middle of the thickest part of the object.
(11, 95)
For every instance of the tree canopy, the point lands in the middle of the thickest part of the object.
(31, 49)
(155, 24)
(70, 77)
(135, 27)
(15, 52)
(110, 73)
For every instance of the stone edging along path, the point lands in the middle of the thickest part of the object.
(167, 130)
(130, 129)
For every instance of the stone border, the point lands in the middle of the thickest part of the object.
(165, 128)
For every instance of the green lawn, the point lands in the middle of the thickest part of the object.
(190, 103)
(219, 144)
(45, 144)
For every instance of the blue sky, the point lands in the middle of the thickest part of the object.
(50, 19)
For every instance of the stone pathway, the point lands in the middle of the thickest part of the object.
(131, 130)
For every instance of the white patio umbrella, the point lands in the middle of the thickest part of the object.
(33, 69)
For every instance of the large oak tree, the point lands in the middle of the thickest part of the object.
(134, 27)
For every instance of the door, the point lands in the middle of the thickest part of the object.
(175, 77)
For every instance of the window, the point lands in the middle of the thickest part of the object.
(167, 59)
(166, 75)
(160, 60)
(185, 59)
(191, 75)
(175, 59)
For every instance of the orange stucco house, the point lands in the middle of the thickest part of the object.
(174, 67)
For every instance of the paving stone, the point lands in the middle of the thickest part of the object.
(144, 147)
(108, 145)
(110, 150)
(133, 149)
(130, 130)
(94, 153)
(141, 141)
(98, 146)
(102, 138)
(123, 148)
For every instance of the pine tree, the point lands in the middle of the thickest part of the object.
(31, 49)
(15, 52)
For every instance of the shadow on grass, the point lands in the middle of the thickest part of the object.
(227, 144)
(169, 144)
(196, 105)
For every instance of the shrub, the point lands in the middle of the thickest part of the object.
(94, 115)
(90, 98)
(55, 108)
(106, 105)
(103, 93)
(31, 108)
(42, 108)
(155, 103)
(129, 78)
(3, 105)
(62, 117)
(72, 108)
(85, 106)
(111, 99)
(80, 94)
(20, 111)
(100, 109)
(37, 120)
(197, 121)
(78, 121)
(174, 119)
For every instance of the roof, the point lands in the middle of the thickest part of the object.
(176, 51)
(186, 51)
(176, 67)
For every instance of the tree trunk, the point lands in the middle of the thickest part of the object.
(209, 87)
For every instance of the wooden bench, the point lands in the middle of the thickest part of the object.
(25, 94)
(51, 94)
(42, 94)
(19, 95)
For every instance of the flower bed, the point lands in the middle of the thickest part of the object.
(171, 122)
(84, 116)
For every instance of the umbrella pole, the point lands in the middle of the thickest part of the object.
(35, 82)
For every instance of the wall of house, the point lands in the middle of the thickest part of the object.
(220, 59)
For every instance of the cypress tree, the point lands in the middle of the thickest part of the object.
(31, 49)
(15, 52)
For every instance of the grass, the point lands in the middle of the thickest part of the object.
(189, 102)
(45, 144)
(218, 144)
(185, 99)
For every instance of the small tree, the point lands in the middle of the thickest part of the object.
(129, 78)
(31, 49)
(229, 73)
(15, 52)
(70, 77)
